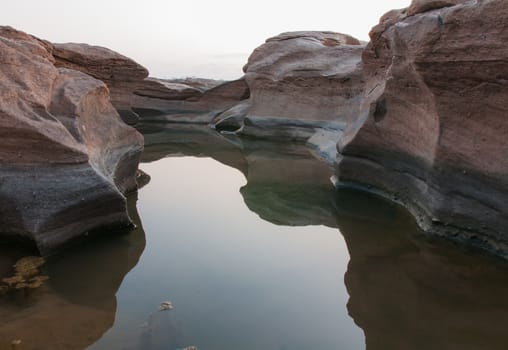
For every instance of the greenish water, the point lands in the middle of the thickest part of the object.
(256, 250)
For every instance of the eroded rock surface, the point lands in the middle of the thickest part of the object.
(300, 82)
(420, 6)
(136, 96)
(432, 129)
(304, 80)
(66, 158)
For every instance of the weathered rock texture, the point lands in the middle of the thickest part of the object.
(66, 158)
(300, 82)
(301, 78)
(432, 129)
(136, 96)
(77, 305)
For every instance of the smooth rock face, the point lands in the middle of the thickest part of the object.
(136, 96)
(66, 158)
(432, 129)
(303, 80)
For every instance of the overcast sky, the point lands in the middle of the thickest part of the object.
(189, 38)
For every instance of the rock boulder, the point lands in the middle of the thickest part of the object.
(66, 158)
(300, 81)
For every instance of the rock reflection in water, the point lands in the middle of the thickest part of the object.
(407, 291)
(77, 305)
(286, 184)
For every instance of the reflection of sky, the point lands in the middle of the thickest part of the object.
(236, 281)
(184, 38)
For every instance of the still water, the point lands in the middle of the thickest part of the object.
(256, 250)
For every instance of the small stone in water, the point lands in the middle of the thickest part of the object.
(166, 305)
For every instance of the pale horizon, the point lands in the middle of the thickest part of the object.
(200, 39)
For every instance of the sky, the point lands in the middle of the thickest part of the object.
(209, 39)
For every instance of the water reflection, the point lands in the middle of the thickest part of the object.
(406, 291)
(411, 292)
(77, 305)
(286, 184)
(240, 283)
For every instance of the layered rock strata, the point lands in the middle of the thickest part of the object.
(66, 158)
(300, 83)
(136, 96)
(432, 126)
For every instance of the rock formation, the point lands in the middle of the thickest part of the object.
(300, 82)
(296, 85)
(305, 79)
(432, 126)
(135, 95)
(66, 158)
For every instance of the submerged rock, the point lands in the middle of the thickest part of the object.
(66, 158)
(77, 305)
(26, 275)
(432, 129)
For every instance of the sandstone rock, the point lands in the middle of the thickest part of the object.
(420, 6)
(167, 90)
(303, 81)
(202, 84)
(99, 62)
(232, 119)
(433, 125)
(137, 97)
(66, 159)
(201, 108)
